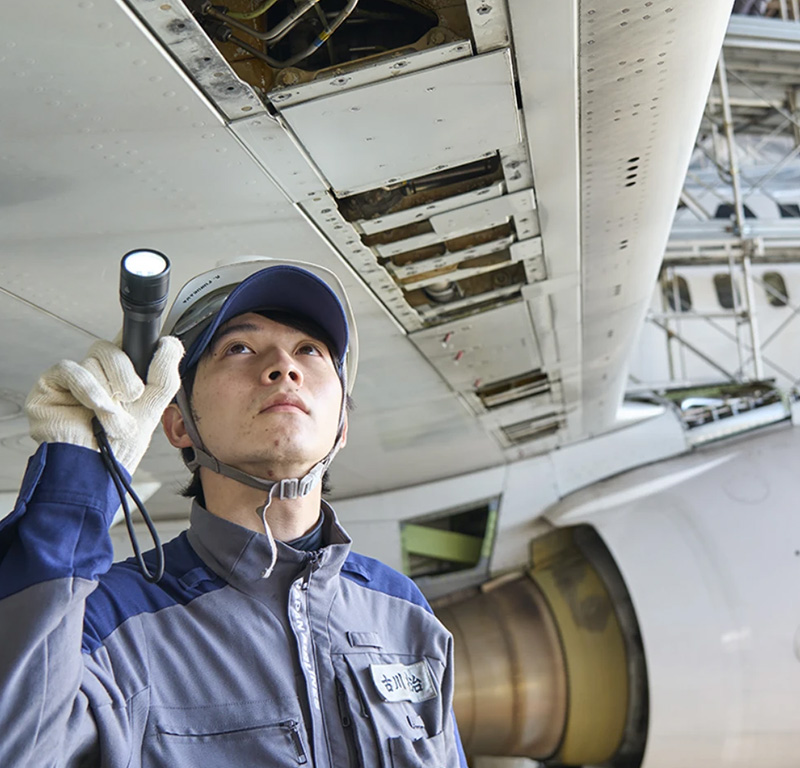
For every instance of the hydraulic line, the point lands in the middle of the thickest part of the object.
(271, 35)
(326, 28)
(254, 51)
(323, 36)
(318, 41)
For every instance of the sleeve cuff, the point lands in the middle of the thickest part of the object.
(59, 526)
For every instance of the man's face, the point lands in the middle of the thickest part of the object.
(267, 398)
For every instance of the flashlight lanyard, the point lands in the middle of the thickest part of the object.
(125, 489)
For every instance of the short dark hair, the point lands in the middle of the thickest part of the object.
(194, 488)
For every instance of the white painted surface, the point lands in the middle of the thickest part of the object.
(371, 73)
(584, 463)
(711, 563)
(409, 125)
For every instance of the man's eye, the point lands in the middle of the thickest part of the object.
(237, 348)
(309, 349)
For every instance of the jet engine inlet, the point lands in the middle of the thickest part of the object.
(549, 664)
(510, 684)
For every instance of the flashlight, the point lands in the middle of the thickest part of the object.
(143, 289)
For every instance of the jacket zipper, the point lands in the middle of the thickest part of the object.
(347, 724)
(294, 734)
(313, 562)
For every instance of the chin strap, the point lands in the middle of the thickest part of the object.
(289, 488)
(273, 547)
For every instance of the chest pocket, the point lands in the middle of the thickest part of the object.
(395, 726)
(220, 737)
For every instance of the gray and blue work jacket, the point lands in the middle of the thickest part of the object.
(333, 660)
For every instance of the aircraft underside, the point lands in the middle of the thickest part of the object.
(495, 181)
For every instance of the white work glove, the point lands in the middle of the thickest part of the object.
(61, 405)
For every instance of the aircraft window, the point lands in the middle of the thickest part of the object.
(775, 286)
(727, 211)
(724, 289)
(789, 210)
(679, 286)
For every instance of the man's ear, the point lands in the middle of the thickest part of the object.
(344, 432)
(175, 427)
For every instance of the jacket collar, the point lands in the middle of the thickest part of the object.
(239, 555)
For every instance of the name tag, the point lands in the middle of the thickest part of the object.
(403, 682)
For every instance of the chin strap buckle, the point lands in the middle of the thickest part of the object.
(288, 489)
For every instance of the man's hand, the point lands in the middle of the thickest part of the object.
(61, 405)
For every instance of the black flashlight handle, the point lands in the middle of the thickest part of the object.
(143, 298)
(140, 338)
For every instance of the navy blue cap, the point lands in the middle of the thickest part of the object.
(281, 288)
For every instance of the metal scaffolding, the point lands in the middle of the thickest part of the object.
(753, 108)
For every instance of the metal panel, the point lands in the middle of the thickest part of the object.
(479, 349)
(528, 251)
(536, 406)
(410, 244)
(485, 214)
(323, 212)
(410, 125)
(459, 274)
(498, 295)
(274, 149)
(490, 25)
(424, 267)
(371, 73)
(410, 215)
(474, 218)
(517, 167)
(546, 55)
(644, 78)
(175, 26)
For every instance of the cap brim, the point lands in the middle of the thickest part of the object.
(281, 288)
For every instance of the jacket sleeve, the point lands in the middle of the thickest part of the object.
(59, 706)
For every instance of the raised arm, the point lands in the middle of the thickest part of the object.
(56, 705)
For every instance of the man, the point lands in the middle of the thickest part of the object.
(266, 642)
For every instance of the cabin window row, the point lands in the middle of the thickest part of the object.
(785, 210)
(679, 298)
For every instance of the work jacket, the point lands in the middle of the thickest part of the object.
(332, 660)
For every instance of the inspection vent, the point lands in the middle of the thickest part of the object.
(397, 234)
(422, 190)
(470, 290)
(403, 254)
(515, 388)
(454, 540)
(458, 313)
(532, 429)
(426, 273)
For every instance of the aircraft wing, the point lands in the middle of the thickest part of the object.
(494, 182)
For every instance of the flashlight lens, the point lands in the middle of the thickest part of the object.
(144, 263)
